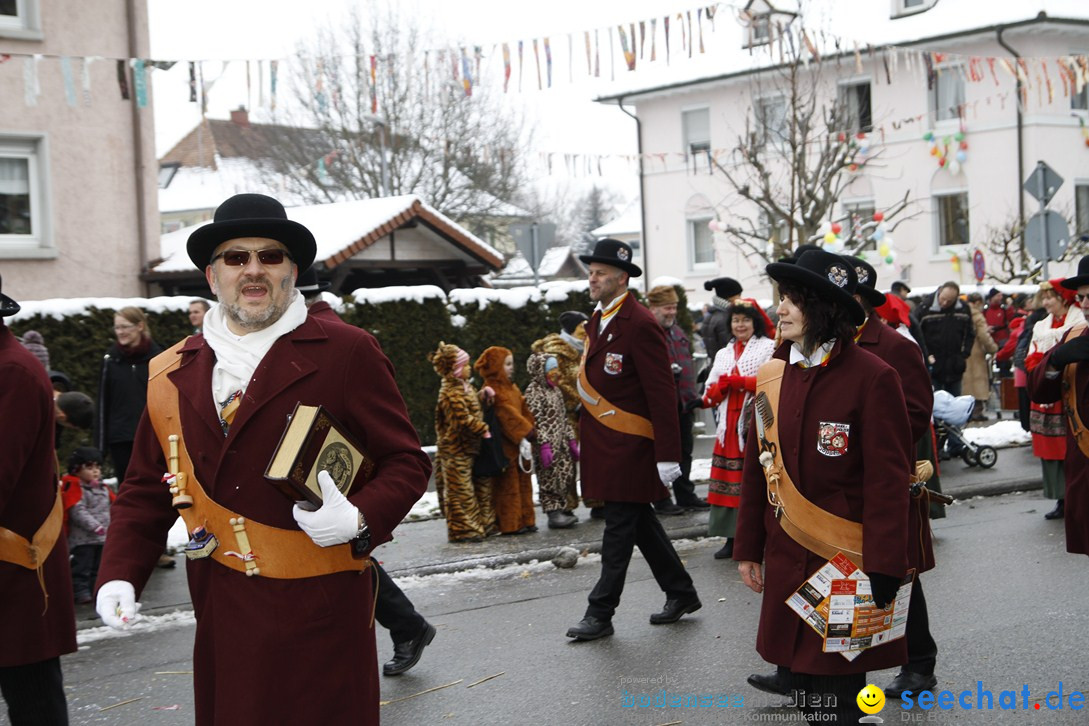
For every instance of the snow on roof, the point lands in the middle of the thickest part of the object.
(830, 22)
(630, 221)
(415, 293)
(195, 187)
(552, 262)
(339, 228)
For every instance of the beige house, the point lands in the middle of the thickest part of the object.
(78, 211)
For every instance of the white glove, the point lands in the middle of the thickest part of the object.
(668, 471)
(335, 522)
(117, 605)
(525, 449)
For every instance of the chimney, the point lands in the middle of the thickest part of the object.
(241, 117)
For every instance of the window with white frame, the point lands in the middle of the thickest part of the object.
(901, 8)
(696, 124)
(759, 29)
(22, 199)
(1079, 101)
(854, 105)
(701, 243)
(856, 225)
(19, 18)
(947, 93)
(1081, 208)
(771, 120)
(951, 212)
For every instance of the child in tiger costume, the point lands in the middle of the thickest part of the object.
(459, 429)
(512, 491)
(556, 449)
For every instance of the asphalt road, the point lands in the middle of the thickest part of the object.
(1006, 603)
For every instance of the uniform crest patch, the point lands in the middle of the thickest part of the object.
(614, 363)
(622, 254)
(863, 276)
(833, 438)
(837, 274)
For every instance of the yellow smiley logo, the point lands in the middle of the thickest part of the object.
(871, 699)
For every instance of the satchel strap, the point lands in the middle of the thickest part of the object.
(258, 549)
(607, 414)
(816, 529)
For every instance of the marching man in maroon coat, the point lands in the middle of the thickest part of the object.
(37, 620)
(284, 631)
(906, 358)
(844, 439)
(1064, 374)
(630, 441)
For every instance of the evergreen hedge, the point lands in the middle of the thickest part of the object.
(408, 329)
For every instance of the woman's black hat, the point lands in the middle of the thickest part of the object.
(833, 279)
(724, 287)
(867, 281)
(252, 215)
(1082, 278)
(613, 252)
(7, 305)
(308, 282)
(571, 319)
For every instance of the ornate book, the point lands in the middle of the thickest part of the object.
(312, 441)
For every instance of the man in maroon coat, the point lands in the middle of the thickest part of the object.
(906, 359)
(1045, 385)
(299, 649)
(630, 441)
(37, 620)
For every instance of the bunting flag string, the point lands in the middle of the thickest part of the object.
(548, 60)
(521, 65)
(537, 58)
(629, 55)
(506, 66)
(69, 81)
(273, 68)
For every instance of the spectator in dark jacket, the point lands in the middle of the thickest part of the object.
(946, 326)
(715, 329)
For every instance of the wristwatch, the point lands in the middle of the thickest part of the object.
(362, 540)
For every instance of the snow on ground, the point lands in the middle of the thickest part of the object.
(999, 434)
(146, 624)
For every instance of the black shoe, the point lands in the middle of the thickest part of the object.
(1058, 512)
(590, 628)
(727, 550)
(769, 683)
(166, 562)
(910, 681)
(597, 513)
(407, 654)
(530, 528)
(668, 509)
(559, 519)
(674, 609)
(693, 504)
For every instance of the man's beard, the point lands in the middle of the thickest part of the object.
(259, 320)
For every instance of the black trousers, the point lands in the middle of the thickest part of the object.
(120, 455)
(629, 525)
(394, 611)
(85, 561)
(684, 491)
(922, 650)
(35, 694)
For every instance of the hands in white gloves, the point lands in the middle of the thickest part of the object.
(117, 605)
(335, 522)
(668, 471)
(525, 449)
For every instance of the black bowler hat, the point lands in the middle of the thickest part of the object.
(7, 305)
(613, 252)
(1082, 278)
(802, 249)
(252, 215)
(833, 278)
(308, 282)
(867, 281)
(724, 287)
(571, 319)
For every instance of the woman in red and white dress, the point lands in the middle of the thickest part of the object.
(1046, 419)
(730, 386)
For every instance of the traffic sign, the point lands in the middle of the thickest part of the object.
(533, 240)
(1043, 182)
(1046, 235)
(979, 267)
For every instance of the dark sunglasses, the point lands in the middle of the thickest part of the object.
(241, 258)
(1079, 297)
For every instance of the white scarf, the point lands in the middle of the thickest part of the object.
(1044, 337)
(757, 352)
(237, 356)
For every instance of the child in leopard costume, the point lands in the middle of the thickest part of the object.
(459, 429)
(556, 450)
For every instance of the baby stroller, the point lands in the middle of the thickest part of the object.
(951, 413)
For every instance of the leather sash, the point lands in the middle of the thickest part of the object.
(816, 529)
(278, 553)
(1070, 398)
(606, 413)
(33, 553)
